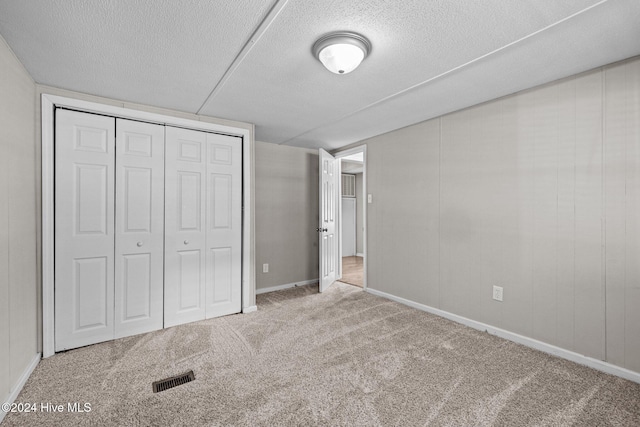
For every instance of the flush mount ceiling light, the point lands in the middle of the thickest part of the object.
(341, 52)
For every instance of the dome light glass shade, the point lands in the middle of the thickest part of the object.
(341, 53)
(341, 58)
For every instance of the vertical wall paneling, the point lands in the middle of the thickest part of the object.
(565, 269)
(632, 216)
(622, 191)
(428, 217)
(23, 281)
(517, 219)
(540, 194)
(544, 145)
(406, 201)
(589, 286)
(460, 218)
(523, 239)
(615, 205)
(5, 308)
(18, 225)
(488, 148)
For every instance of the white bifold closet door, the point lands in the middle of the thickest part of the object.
(139, 247)
(84, 229)
(108, 261)
(203, 228)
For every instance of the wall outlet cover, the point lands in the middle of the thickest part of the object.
(497, 293)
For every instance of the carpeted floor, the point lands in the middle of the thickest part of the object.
(344, 357)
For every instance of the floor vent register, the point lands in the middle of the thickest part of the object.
(172, 382)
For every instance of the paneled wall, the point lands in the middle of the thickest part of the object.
(18, 309)
(286, 214)
(539, 193)
(621, 189)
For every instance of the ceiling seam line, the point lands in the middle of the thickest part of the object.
(244, 52)
(445, 73)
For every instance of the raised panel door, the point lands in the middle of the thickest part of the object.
(139, 248)
(84, 229)
(185, 236)
(328, 242)
(224, 225)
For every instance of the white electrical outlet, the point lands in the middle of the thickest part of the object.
(497, 293)
(265, 268)
(369, 198)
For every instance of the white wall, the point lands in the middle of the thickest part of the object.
(18, 307)
(539, 193)
(286, 214)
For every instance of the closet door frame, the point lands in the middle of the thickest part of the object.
(243, 130)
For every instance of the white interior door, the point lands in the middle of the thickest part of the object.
(329, 177)
(224, 225)
(348, 226)
(139, 249)
(84, 229)
(185, 236)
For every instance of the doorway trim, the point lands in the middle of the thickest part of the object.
(339, 155)
(49, 103)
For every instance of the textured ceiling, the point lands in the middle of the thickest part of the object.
(250, 60)
(166, 53)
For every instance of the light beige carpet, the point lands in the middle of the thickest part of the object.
(343, 357)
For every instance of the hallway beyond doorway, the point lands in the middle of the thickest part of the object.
(353, 271)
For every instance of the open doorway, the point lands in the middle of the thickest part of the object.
(352, 216)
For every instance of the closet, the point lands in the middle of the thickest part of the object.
(147, 227)
(203, 225)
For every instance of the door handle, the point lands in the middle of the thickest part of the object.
(139, 244)
(186, 242)
(320, 230)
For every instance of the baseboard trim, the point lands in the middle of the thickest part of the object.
(520, 339)
(249, 309)
(15, 391)
(287, 286)
(360, 255)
